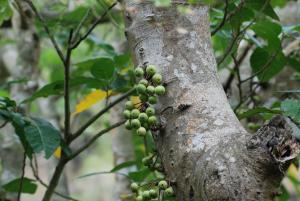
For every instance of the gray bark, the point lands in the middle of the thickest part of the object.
(205, 151)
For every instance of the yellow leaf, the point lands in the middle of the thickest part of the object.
(292, 171)
(57, 152)
(91, 99)
(135, 100)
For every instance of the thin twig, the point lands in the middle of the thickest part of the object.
(37, 177)
(237, 64)
(265, 67)
(40, 18)
(67, 63)
(223, 20)
(55, 179)
(227, 16)
(239, 84)
(241, 32)
(99, 114)
(22, 177)
(93, 139)
(98, 20)
(80, 25)
(4, 124)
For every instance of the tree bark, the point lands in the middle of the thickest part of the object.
(205, 151)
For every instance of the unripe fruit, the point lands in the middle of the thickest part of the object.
(150, 90)
(143, 97)
(143, 117)
(152, 100)
(141, 88)
(135, 123)
(134, 187)
(129, 105)
(141, 131)
(152, 120)
(128, 125)
(157, 78)
(139, 72)
(160, 90)
(143, 82)
(146, 195)
(126, 114)
(169, 191)
(153, 193)
(134, 113)
(151, 70)
(163, 185)
(150, 111)
(139, 198)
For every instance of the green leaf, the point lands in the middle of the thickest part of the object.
(42, 136)
(5, 102)
(28, 186)
(269, 31)
(123, 165)
(57, 87)
(291, 108)
(103, 68)
(266, 65)
(244, 14)
(18, 122)
(122, 61)
(279, 3)
(259, 4)
(140, 175)
(255, 111)
(294, 63)
(5, 11)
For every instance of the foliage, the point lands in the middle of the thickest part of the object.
(5, 11)
(28, 186)
(98, 72)
(35, 134)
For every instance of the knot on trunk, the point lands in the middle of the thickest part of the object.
(277, 139)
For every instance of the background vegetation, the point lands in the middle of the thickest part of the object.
(43, 44)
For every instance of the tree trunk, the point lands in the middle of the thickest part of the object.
(205, 151)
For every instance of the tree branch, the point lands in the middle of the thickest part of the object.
(227, 16)
(230, 47)
(80, 25)
(67, 87)
(99, 114)
(98, 20)
(265, 67)
(223, 20)
(40, 18)
(55, 179)
(237, 64)
(37, 177)
(94, 138)
(22, 177)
